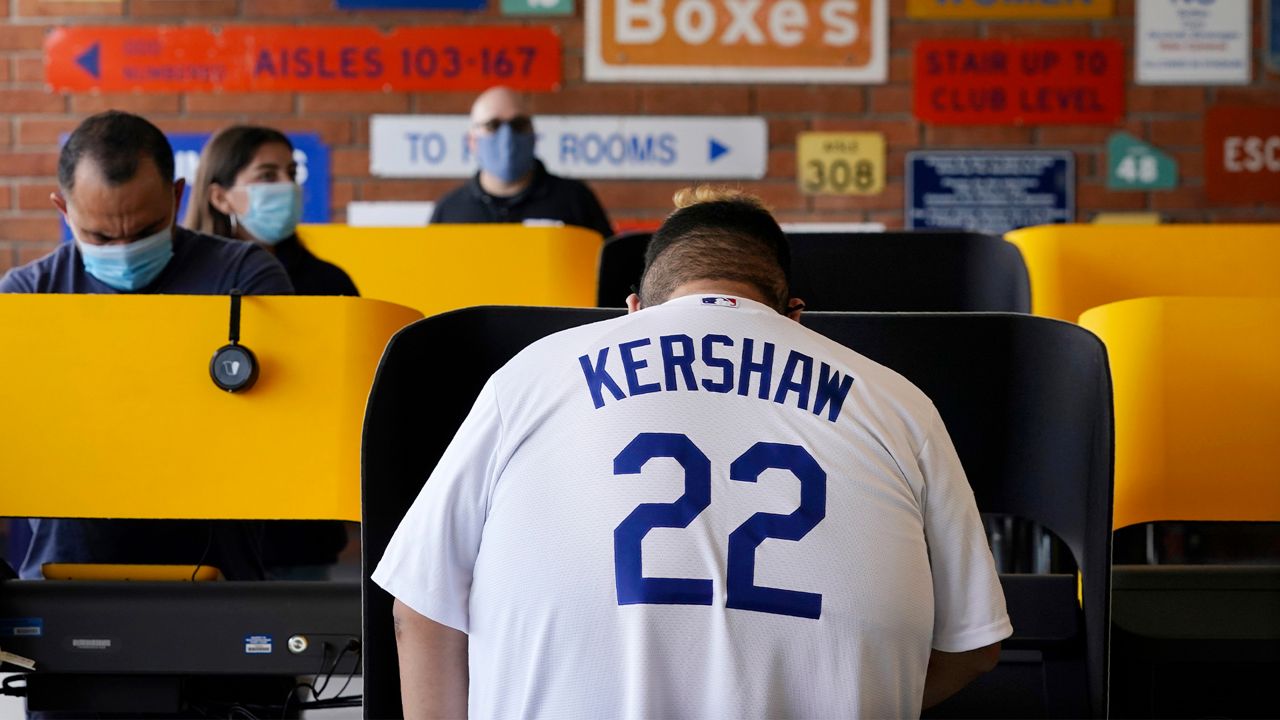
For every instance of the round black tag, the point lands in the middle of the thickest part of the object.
(234, 368)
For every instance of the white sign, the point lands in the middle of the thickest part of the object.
(1184, 42)
(581, 146)
(389, 213)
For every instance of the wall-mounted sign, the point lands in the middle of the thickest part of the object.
(834, 163)
(1009, 9)
(389, 213)
(309, 152)
(991, 192)
(1272, 46)
(167, 59)
(836, 41)
(1242, 155)
(1134, 165)
(537, 7)
(1189, 42)
(581, 146)
(411, 4)
(1032, 82)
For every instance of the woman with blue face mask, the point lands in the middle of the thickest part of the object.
(246, 189)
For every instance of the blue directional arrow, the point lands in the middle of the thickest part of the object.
(715, 150)
(89, 61)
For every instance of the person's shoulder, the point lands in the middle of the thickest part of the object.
(211, 246)
(459, 198)
(562, 184)
(38, 274)
(242, 265)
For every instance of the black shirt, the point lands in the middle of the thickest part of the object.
(311, 275)
(548, 197)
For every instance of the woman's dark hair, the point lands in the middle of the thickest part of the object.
(223, 157)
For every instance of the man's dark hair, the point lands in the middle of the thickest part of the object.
(116, 142)
(717, 234)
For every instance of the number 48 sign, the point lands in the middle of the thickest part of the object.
(1134, 165)
(840, 163)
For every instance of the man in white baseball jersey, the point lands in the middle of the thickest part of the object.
(699, 510)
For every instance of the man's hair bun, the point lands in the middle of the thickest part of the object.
(699, 194)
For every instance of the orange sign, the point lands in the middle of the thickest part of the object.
(278, 58)
(802, 41)
(1242, 155)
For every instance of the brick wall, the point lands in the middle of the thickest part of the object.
(32, 118)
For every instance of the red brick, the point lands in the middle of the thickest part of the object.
(904, 35)
(891, 99)
(443, 103)
(6, 72)
(976, 136)
(652, 195)
(348, 162)
(30, 252)
(36, 132)
(891, 198)
(31, 101)
(7, 257)
(28, 164)
(1184, 197)
(895, 162)
(1038, 30)
(175, 126)
(1177, 133)
(35, 195)
(809, 100)
(1190, 163)
(6, 132)
(1083, 134)
(901, 68)
(695, 100)
(237, 103)
(141, 103)
(353, 102)
(783, 132)
(71, 8)
(341, 192)
(182, 9)
(782, 164)
(583, 99)
(30, 229)
(1095, 196)
(30, 70)
(573, 34)
(570, 69)
(1189, 100)
(22, 37)
(778, 194)
(896, 132)
(1247, 96)
(331, 131)
(417, 190)
(6, 200)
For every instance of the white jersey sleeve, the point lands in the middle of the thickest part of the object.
(969, 607)
(429, 563)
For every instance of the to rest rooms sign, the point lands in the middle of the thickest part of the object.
(801, 41)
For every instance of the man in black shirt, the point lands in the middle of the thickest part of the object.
(512, 185)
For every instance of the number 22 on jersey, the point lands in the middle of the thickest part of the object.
(741, 591)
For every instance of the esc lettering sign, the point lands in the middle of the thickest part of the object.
(800, 41)
(1242, 155)
(1041, 82)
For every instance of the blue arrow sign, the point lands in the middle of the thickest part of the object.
(89, 60)
(715, 150)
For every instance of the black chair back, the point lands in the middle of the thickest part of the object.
(869, 272)
(1027, 402)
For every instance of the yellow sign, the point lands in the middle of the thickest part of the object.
(1009, 9)
(829, 163)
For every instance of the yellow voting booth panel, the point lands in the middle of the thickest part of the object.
(1077, 267)
(1197, 407)
(446, 267)
(109, 410)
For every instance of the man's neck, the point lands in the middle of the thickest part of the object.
(499, 188)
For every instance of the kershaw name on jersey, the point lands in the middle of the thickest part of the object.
(718, 364)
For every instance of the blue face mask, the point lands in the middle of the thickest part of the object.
(132, 266)
(506, 154)
(274, 211)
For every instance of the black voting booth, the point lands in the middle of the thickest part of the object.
(869, 272)
(1026, 400)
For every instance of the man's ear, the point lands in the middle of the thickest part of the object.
(178, 186)
(633, 303)
(59, 201)
(795, 308)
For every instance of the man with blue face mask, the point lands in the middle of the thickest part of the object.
(116, 190)
(512, 185)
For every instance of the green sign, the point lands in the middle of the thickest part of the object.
(1134, 165)
(537, 7)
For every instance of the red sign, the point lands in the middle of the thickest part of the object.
(1032, 82)
(166, 59)
(1242, 155)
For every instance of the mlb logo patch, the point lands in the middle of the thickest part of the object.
(721, 301)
